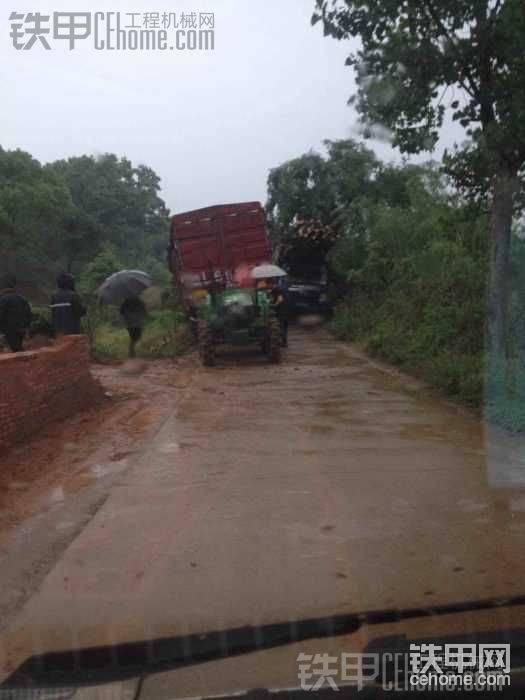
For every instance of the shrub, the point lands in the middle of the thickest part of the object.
(165, 335)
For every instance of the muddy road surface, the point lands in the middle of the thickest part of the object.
(261, 493)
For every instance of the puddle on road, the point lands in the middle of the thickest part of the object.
(468, 506)
(101, 470)
(84, 478)
(425, 431)
(340, 358)
(169, 448)
(120, 456)
(381, 403)
(70, 447)
(517, 504)
(320, 429)
(65, 525)
(18, 485)
(143, 419)
(57, 495)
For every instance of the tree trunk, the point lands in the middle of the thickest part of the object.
(504, 186)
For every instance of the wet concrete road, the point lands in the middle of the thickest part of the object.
(327, 484)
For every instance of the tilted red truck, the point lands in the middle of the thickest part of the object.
(207, 246)
(211, 252)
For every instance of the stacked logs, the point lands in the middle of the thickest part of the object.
(313, 231)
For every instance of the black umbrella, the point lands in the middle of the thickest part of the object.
(122, 285)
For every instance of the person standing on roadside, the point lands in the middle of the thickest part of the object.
(66, 307)
(15, 314)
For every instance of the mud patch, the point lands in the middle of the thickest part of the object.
(67, 457)
(320, 429)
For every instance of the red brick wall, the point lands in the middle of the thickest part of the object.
(41, 386)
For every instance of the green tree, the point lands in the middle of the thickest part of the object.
(115, 203)
(413, 54)
(60, 216)
(317, 188)
(33, 206)
(299, 188)
(352, 169)
(100, 268)
(416, 285)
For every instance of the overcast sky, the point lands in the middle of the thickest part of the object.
(211, 124)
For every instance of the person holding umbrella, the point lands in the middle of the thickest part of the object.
(279, 303)
(123, 289)
(269, 276)
(134, 314)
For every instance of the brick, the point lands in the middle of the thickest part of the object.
(42, 386)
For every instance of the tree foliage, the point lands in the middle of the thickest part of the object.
(64, 215)
(421, 58)
(416, 281)
(32, 206)
(119, 203)
(298, 188)
(415, 52)
(314, 187)
(410, 259)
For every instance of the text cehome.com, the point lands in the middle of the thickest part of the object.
(458, 681)
(109, 35)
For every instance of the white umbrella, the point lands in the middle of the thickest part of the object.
(266, 271)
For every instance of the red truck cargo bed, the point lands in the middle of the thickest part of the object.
(211, 243)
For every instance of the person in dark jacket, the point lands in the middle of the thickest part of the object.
(134, 314)
(15, 314)
(66, 307)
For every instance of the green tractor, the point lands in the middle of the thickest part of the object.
(237, 317)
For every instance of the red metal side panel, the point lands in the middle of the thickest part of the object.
(210, 243)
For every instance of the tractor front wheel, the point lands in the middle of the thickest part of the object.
(273, 341)
(206, 344)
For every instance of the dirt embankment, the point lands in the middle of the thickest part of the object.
(64, 456)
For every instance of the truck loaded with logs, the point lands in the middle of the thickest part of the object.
(302, 252)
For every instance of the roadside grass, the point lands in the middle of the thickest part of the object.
(504, 401)
(424, 346)
(166, 333)
(41, 322)
(418, 346)
(165, 336)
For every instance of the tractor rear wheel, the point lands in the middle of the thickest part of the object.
(273, 341)
(206, 344)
